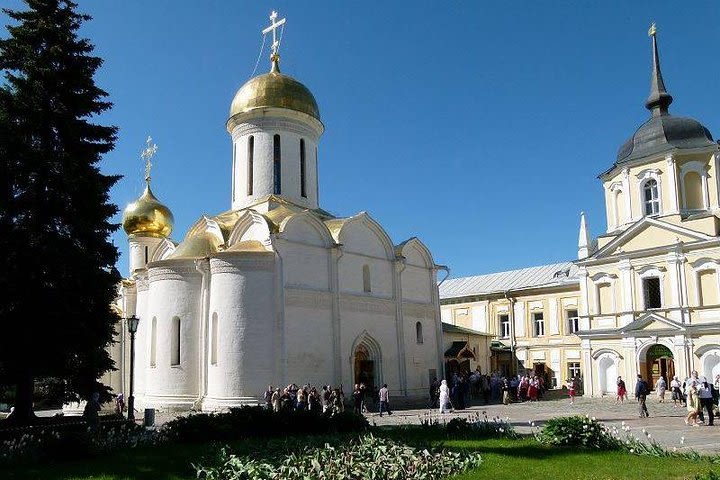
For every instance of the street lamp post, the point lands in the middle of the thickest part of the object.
(132, 325)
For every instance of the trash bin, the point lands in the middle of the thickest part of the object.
(149, 420)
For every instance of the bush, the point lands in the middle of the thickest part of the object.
(365, 458)
(259, 422)
(578, 431)
(708, 476)
(473, 427)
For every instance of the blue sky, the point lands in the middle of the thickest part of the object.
(479, 127)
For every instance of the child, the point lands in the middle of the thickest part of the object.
(571, 390)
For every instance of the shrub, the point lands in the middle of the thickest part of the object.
(368, 457)
(259, 422)
(475, 427)
(578, 431)
(711, 475)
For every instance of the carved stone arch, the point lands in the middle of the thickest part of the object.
(415, 243)
(644, 345)
(163, 250)
(250, 226)
(286, 226)
(365, 219)
(366, 344)
(605, 351)
(709, 348)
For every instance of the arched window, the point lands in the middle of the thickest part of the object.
(175, 342)
(277, 177)
(250, 159)
(153, 342)
(147, 254)
(366, 279)
(693, 194)
(214, 340)
(303, 193)
(418, 332)
(651, 197)
(619, 208)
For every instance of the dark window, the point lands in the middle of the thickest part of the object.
(504, 326)
(303, 193)
(146, 254)
(175, 342)
(418, 333)
(652, 199)
(539, 323)
(277, 178)
(651, 292)
(573, 321)
(250, 158)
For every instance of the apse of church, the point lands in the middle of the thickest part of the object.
(276, 290)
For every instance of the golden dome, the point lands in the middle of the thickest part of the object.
(274, 90)
(147, 217)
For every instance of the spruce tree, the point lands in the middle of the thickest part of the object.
(58, 279)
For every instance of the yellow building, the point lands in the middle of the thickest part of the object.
(532, 313)
(645, 295)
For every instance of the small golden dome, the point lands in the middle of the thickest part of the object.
(147, 217)
(274, 90)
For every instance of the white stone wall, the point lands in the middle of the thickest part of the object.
(242, 295)
(175, 288)
(263, 130)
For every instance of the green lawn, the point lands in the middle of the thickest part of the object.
(501, 459)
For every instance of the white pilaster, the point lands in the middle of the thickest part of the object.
(628, 288)
(583, 307)
(673, 204)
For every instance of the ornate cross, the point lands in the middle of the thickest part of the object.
(147, 154)
(273, 28)
(652, 31)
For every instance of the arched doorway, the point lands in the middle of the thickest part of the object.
(711, 366)
(364, 367)
(367, 362)
(659, 362)
(607, 374)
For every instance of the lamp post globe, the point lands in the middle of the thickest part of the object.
(132, 326)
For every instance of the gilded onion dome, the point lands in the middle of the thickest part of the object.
(147, 217)
(274, 89)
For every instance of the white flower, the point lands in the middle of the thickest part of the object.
(622, 423)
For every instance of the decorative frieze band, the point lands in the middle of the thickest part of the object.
(356, 303)
(308, 298)
(419, 310)
(180, 272)
(263, 125)
(241, 264)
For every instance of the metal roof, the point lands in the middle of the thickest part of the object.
(555, 274)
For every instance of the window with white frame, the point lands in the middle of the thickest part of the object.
(504, 321)
(573, 370)
(651, 197)
(651, 292)
(573, 322)
(538, 324)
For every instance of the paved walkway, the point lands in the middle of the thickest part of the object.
(665, 425)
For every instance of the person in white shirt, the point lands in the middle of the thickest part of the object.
(444, 396)
(706, 403)
(385, 400)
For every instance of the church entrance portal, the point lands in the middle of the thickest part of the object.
(659, 363)
(364, 368)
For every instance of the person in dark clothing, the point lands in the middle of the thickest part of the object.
(641, 392)
(357, 399)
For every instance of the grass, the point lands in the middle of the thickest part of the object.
(501, 459)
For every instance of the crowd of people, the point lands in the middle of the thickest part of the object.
(327, 399)
(464, 387)
(695, 393)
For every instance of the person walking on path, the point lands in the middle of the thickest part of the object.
(706, 402)
(676, 391)
(641, 391)
(444, 396)
(693, 405)
(621, 391)
(661, 388)
(571, 390)
(385, 400)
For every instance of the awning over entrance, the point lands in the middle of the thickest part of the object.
(458, 350)
(497, 346)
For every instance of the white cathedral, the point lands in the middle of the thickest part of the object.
(275, 290)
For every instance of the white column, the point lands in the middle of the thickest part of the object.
(628, 196)
(705, 188)
(554, 325)
(587, 367)
(674, 262)
(399, 266)
(627, 286)
(583, 306)
(673, 206)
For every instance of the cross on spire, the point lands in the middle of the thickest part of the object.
(275, 47)
(147, 154)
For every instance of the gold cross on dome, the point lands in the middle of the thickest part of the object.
(275, 47)
(147, 154)
(652, 31)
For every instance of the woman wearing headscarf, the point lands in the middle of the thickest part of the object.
(444, 396)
